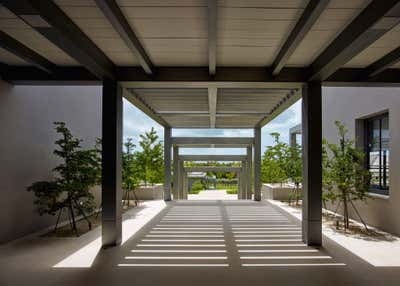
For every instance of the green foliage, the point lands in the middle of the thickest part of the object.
(345, 178)
(151, 158)
(130, 167)
(293, 168)
(197, 186)
(79, 171)
(282, 163)
(273, 162)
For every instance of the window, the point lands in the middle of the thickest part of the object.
(377, 149)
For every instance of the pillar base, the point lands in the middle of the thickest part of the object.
(312, 232)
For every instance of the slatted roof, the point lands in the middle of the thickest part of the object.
(199, 63)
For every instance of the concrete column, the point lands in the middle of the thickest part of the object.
(243, 182)
(180, 179)
(240, 195)
(249, 172)
(257, 164)
(185, 184)
(176, 172)
(167, 163)
(312, 163)
(111, 163)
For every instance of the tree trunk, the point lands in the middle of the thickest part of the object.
(71, 210)
(345, 211)
(297, 193)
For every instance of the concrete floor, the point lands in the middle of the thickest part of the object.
(197, 243)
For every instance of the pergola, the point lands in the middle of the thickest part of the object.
(180, 171)
(243, 172)
(203, 64)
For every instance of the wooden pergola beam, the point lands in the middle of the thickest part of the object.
(115, 16)
(310, 15)
(30, 56)
(50, 21)
(372, 23)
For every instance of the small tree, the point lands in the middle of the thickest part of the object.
(346, 179)
(130, 170)
(272, 164)
(293, 168)
(79, 171)
(151, 158)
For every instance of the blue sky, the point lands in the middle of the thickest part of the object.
(136, 123)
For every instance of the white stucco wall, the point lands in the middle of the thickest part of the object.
(27, 140)
(349, 104)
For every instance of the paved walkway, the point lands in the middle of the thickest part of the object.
(212, 195)
(198, 243)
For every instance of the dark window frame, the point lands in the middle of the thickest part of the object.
(382, 188)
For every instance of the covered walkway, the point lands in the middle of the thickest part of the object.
(195, 243)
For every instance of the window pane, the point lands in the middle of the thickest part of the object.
(374, 135)
(374, 168)
(385, 133)
(378, 153)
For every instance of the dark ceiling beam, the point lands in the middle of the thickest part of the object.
(352, 77)
(29, 75)
(383, 63)
(199, 74)
(3, 71)
(212, 36)
(115, 16)
(310, 14)
(20, 50)
(373, 22)
(49, 20)
(33, 75)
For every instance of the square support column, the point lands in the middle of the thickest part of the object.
(176, 172)
(240, 190)
(111, 164)
(167, 163)
(249, 172)
(257, 164)
(312, 163)
(180, 179)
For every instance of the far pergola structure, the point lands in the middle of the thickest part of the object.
(195, 69)
(243, 172)
(210, 142)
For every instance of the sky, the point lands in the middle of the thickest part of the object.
(136, 123)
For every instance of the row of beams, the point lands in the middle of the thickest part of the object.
(307, 19)
(139, 103)
(193, 141)
(212, 103)
(280, 107)
(114, 15)
(49, 20)
(15, 47)
(373, 22)
(212, 36)
(212, 157)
